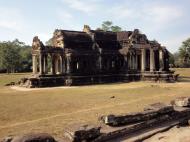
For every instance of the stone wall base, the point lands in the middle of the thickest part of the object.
(74, 80)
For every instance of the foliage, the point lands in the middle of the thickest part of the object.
(108, 26)
(183, 58)
(49, 42)
(14, 56)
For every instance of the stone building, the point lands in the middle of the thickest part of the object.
(94, 56)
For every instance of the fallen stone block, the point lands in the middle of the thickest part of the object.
(7, 139)
(152, 111)
(82, 133)
(38, 137)
(160, 108)
(181, 102)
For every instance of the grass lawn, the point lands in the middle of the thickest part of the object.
(51, 110)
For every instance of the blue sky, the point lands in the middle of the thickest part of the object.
(167, 21)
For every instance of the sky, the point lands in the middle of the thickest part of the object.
(167, 21)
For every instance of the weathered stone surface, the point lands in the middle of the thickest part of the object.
(82, 133)
(160, 108)
(152, 111)
(32, 137)
(94, 57)
(10, 84)
(181, 102)
(7, 139)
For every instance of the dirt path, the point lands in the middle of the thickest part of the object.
(18, 88)
(80, 111)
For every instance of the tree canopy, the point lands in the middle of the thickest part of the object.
(15, 56)
(108, 26)
(184, 53)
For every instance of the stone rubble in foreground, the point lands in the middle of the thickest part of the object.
(133, 127)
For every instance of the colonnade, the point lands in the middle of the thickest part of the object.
(61, 64)
(58, 64)
(152, 60)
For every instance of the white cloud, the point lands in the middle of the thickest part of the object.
(11, 19)
(63, 14)
(86, 6)
(163, 14)
(67, 20)
(173, 43)
(151, 16)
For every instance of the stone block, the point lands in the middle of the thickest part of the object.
(82, 133)
(181, 102)
(32, 137)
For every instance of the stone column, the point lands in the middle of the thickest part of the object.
(100, 60)
(68, 58)
(63, 64)
(45, 64)
(56, 65)
(143, 59)
(161, 60)
(152, 60)
(34, 63)
(129, 61)
(41, 64)
(133, 61)
(126, 63)
(136, 66)
(52, 64)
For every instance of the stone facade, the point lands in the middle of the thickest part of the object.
(94, 56)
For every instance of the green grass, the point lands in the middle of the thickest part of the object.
(52, 110)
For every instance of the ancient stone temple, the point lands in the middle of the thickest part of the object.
(94, 56)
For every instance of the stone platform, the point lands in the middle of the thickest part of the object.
(75, 80)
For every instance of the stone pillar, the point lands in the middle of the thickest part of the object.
(161, 60)
(41, 64)
(52, 64)
(126, 63)
(129, 63)
(143, 59)
(136, 66)
(34, 63)
(63, 64)
(133, 62)
(45, 64)
(100, 60)
(152, 60)
(56, 65)
(60, 65)
(68, 58)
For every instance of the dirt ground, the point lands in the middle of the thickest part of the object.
(51, 110)
(173, 135)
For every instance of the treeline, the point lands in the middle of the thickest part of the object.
(15, 56)
(182, 57)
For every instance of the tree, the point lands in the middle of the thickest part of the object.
(15, 56)
(9, 56)
(116, 29)
(49, 42)
(26, 58)
(108, 26)
(184, 53)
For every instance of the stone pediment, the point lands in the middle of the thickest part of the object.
(37, 44)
